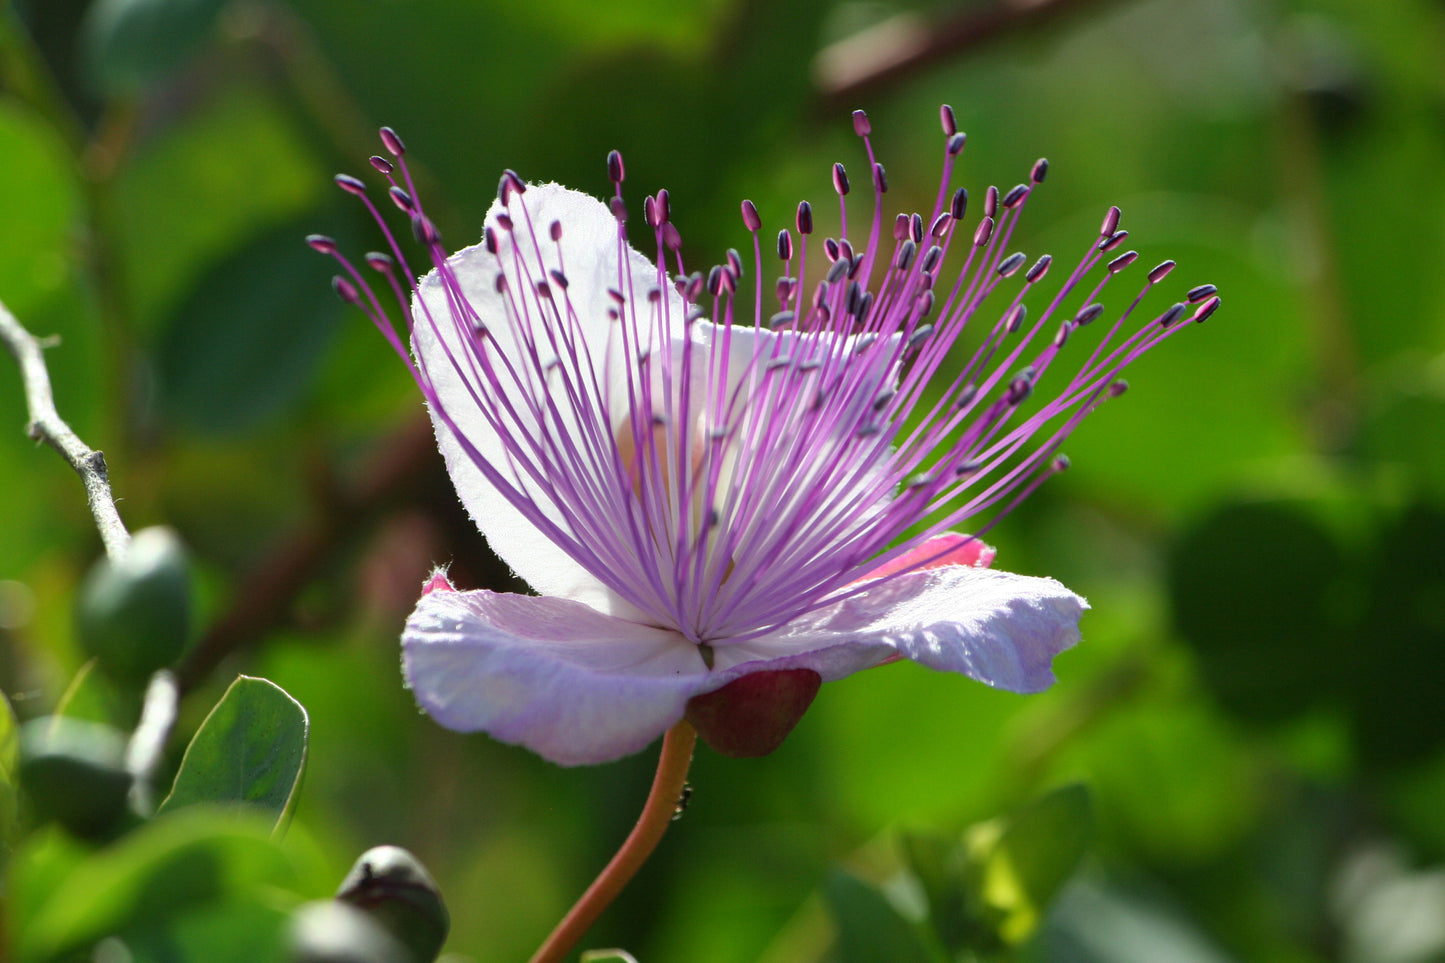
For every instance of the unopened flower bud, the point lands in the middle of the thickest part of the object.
(391, 886)
(74, 773)
(752, 715)
(133, 614)
(329, 931)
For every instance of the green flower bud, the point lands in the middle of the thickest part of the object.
(74, 773)
(134, 614)
(394, 888)
(752, 715)
(328, 931)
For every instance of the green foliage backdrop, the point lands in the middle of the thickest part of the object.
(1259, 523)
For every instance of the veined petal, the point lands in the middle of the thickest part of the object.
(533, 371)
(1001, 629)
(570, 683)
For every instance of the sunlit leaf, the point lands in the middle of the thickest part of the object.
(204, 879)
(250, 750)
(9, 761)
(1023, 860)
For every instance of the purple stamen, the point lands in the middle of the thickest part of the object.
(726, 483)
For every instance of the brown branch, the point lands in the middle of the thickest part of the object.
(881, 56)
(46, 425)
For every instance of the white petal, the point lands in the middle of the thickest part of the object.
(589, 258)
(569, 683)
(1001, 629)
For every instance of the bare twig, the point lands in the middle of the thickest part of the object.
(46, 425)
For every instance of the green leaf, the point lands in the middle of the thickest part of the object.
(937, 863)
(1020, 863)
(870, 930)
(251, 750)
(127, 44)
(201, 879)
(248, 338)
(9, 763)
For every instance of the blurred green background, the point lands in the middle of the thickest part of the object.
(1258, 706)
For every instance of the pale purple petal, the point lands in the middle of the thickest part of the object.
(570, 683)
(520, 346)
(1001, 629)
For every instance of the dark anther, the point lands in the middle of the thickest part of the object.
(931, 257)
(402, 200)
(900, 227)
(1040, 171)
(1040, 268)
(838, 270)
(382, 164)
(946, 118)
(1122, 261)
(960, 203)
(345, 290)
(619, 209)
(555, 230)
(920, 334)
(956, 142)
(861, 127)
(915, 228)
(830, 249)
(616, 173)
(925, 303)
(840, 179)
(1206, 309)
(1010, 264)
(1016, 195)
(1016, 318)
(780, 319)
(1088, 314)
(391, 142)
(1201, 293)
(939, 227)
(321, 243)
(990, 202)
(785, 245)
(489, 240)
(1175, 312)
(664, 206)
(378, 261)
(1113, 240)
(1160, 271)
(1111, 222)
(983, 232)
(750, 216)
(805, 217)
(424, 230)
(559, 278)
(880, 179)
(350, 185)
(907, 251)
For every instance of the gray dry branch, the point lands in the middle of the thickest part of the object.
(46, 425)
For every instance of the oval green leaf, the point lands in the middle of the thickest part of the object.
(251, 750)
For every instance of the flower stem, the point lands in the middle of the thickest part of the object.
(657, 812)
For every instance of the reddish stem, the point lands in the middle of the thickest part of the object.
(657, 813)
